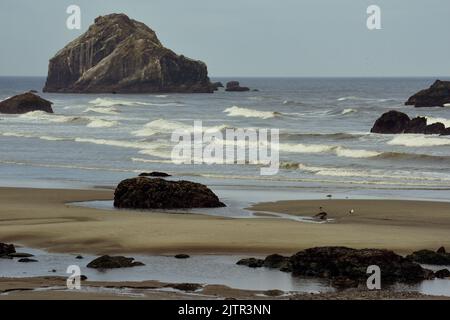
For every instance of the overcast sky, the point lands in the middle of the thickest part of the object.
(250, 37)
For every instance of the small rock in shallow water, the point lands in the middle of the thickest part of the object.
(110, 262)
(20, 255)
(185, 286)
(182, 256)
(26, 260)
(154, 174)
(79, 257)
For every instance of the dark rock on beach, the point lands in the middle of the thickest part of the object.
(395, 122)
(6, 249)
(251, 262)
(182, 256)
(430, 257)
(334, 262)
(442, 274)
(146, 193)
(438, 95)
(111, 262)
(276, 261)
(188, 287)
(154, 174)
(120, 55)
(345, 267)
(25, 102)
(234, 86)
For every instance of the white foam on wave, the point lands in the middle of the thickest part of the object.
(44, 116)
(414, 140)
(103, 110)
(107, 102)
(349, 110)
(236, 111)
(444, 121)
(100, 123)
(167, 126)
(365, 173)
(322, 148)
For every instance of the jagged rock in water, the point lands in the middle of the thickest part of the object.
(25, 102)
(235, 86)
(395, 122)
(157, 193)
(121, 55)
(438, 95)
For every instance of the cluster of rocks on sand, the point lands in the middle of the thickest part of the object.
(8, 251)
(347, 267)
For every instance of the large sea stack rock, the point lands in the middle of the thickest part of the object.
(121, 55)
(25, 102)
(147, 193)
(394, 122)
(438, 95)
(347, 263)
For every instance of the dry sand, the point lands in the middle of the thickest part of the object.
(41, 218)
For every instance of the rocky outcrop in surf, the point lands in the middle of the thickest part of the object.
(156, 193)
(25, 102)
(438, 95)
(346, 267)
(121, 55)
(395, 122)
(235, 86)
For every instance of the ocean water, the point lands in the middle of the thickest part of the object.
(325, 140)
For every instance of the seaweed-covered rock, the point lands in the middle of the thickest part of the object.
(441, 274)
(25, 102)
(146, 193)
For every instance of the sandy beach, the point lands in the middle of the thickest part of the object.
(41, 218)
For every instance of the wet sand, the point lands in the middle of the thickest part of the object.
(51, 288)
(41, 218)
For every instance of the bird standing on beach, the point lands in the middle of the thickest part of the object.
(351, 212)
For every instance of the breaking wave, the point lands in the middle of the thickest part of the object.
(236, 111)
(167, 126)
(414, 140)
(103, 110)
